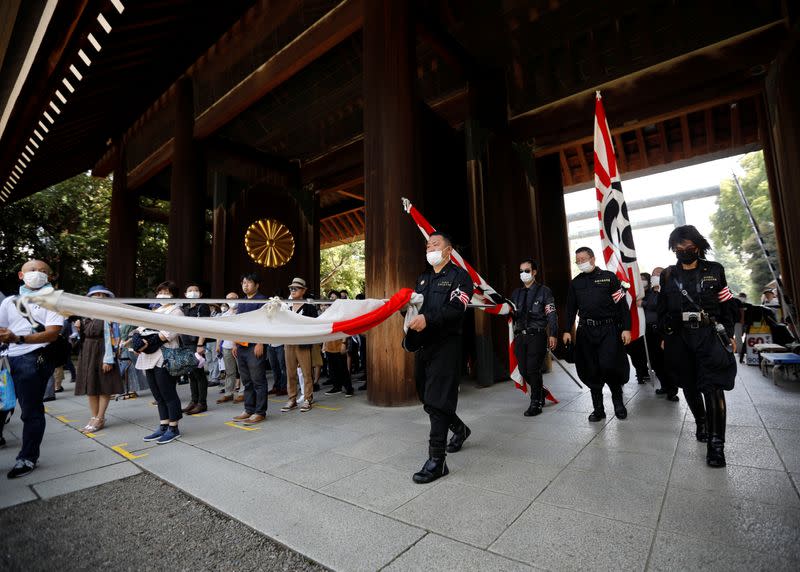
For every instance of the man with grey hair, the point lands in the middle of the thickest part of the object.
(27, 356)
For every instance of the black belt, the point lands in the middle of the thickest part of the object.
(593, 323)
(527, 331)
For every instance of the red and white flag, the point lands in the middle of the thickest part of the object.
(483, 296)
(616, 235)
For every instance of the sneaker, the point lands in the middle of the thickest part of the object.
(291, 404)
(333, 391)
(306, 406)
(59, 390)
(350, 393)
(21, 468)
(169, 436)
(156, 435)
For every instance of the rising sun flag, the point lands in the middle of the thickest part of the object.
(616, 236)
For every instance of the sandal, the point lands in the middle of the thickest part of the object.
(89, 427)
(100, 423)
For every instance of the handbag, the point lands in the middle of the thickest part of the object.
(8, 398)
(179, 361)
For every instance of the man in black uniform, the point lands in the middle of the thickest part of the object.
(436, 331)
(534, 315)
(603, 332)
(696, 315)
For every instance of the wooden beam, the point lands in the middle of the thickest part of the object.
(686, 135)
(736, 125)
(709, 126)
(351, 195)
(152, 165)
(582, 158)
(663, 142)
(643, 161)
(337, 25)
(565, 168)
(620, 149)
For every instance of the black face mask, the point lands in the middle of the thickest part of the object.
(687, 256)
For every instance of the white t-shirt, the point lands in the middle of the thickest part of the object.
(10, 318)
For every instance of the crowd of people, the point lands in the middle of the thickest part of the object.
(690, 342)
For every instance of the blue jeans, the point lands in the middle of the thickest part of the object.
(31, 373)
(277, 362)
(253, 373)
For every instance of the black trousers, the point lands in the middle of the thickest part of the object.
(437, 370)
(530, 351)
(636, 350)
(600, 356)
(337, 368)
(164, 388)
(653, 339)
(198, 385)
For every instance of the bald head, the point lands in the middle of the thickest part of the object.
(35, 273)
(36, 266)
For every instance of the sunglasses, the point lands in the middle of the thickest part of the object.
(295, 289)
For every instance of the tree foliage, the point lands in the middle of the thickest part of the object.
(65, 225)
(343, 268)
(732, 227)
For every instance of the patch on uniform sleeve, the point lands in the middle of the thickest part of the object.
(462, 297)
(549, 309)
(725, 294)
(618, 295)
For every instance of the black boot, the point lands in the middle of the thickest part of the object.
(597, 402)
(433, 468)
(694, 400)
(537, 402)
(457, 440)
(619, 404)
(715, 406)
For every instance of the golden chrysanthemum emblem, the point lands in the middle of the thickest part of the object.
(269, 243)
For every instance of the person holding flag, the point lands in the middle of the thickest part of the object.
(435, 335)
(597, 297)
(535, 330)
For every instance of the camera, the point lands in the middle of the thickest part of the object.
(692, 318)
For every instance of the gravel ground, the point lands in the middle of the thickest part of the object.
(123, 525)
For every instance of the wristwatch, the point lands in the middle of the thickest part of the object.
(20, 340)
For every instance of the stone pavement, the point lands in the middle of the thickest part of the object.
(552, 492)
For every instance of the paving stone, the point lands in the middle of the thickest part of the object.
(675, 552)
(562, 539)
(85, 480)
(744, 523)
(787, 442)
(500, 474)
(641, 466)
(435, 552)
(607, 494)
(378, 488)
(317, 470)
(461, 512)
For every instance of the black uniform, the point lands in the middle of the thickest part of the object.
(599, 300)
(437, 365)
(695, 353)
(692, 305)
(535, 314)
(653, 340)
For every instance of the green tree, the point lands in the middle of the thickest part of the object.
(343, 268)
(65, 225)
(732, 227)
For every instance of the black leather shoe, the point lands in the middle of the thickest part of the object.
(431, 470)
(597, 415)
(619, 404)
(533, 410)
(661, 391)
(597, 402)
(457, 440)
(715, 456)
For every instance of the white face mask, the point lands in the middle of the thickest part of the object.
(34, 279)
(585, 267)
(163, 295)
(434, 257)
(525, 277)
(193, 294)
(232, 305)
(655, 281)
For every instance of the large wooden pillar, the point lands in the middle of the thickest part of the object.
(219, 190)
(123, 232)
(394, 253)
(553, 252)
(782, 147)
(187, 196)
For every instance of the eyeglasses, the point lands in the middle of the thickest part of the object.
(294, 289)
